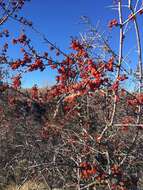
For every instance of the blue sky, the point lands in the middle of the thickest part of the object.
(58, 20)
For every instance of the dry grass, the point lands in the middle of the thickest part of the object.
(29, 185)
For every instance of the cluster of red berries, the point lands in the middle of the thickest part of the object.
(137, 100)
(38, 64)
(113, 23)
(22, 39)
(109, 65)
(16, 82)
(87, 170)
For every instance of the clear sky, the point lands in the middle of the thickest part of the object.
(59, 20)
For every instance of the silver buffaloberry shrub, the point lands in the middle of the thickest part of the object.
(84, 132)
